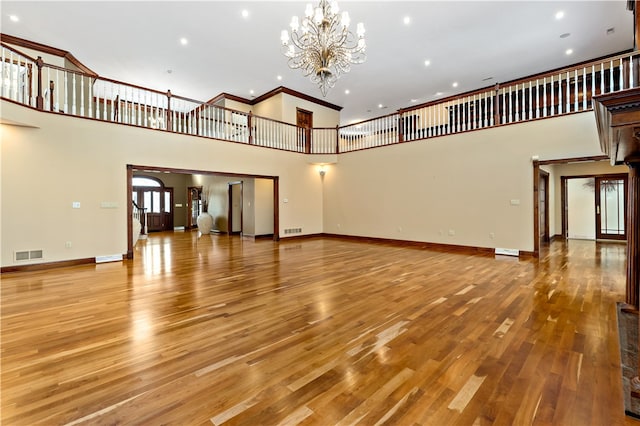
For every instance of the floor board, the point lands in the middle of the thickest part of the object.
(220, 330)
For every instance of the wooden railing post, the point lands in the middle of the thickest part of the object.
(496, 105)
(250, 124)
(169, 126)
(307, 134)
(51, 89)
(39, 98)
(337, 139)
(400, 127)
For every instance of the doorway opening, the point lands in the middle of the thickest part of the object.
(194, 206)
(555, 217)
(234, 224)
(260, 205)
(594, 207)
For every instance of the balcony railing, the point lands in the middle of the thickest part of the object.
(51, 88)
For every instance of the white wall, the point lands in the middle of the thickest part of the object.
(263, 205)
(46, 167)
(420, 191)
(460, 184)
(581, 210)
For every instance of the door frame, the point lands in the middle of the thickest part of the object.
(307, 129)
(230, 186)
(544, 176)
(599, 234)
(536, 182)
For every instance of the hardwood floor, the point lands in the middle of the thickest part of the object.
(315, 332)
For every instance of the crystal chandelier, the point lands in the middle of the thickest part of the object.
(323, 46)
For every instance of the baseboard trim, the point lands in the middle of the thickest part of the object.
(47, 265)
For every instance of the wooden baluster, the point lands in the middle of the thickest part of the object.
(91, 98)
(621, 74)
(105, 116)
(169, 121)
(73, 96)
(3, 68)
(584, 89)
(537, 110)
(82, 95)
(12, 78)
(553, 96)
(66, 93)
(472, 112)
(494, 105)
(530, 111)
(544, 97)
(517, 104)
(560, 102)
(611, 68)
(568, 109)
(575, 90)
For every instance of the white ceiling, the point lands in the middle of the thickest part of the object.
(466, 42)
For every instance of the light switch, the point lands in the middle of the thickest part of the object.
(75, 205)
(515, 202)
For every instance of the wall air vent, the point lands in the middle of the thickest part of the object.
(109, 258)
(293, 231)
(508, 251)
(28, 255)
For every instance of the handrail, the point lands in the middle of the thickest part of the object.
(548, 94)
(5, 45)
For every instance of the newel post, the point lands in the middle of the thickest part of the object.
(250, 124)
(496, 105)
(337, 139)
(169, 126)
(400, 127)
(39, 98)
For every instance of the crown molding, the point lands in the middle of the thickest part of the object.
(17, 41)
(272, 93)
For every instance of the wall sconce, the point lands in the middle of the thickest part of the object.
(322, 171)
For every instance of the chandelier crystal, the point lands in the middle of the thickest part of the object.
(322, 45)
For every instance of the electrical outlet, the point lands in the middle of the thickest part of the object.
(452, 232)
(67, 244)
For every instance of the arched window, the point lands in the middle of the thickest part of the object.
(150, 194)
(146, 181)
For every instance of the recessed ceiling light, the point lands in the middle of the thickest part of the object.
(438, 93)
(559, 14)
(427, 63)
(184, 41)
(380, 105)
(245, 13)
(413, 101)
(565, 35)
(14, 18)
(568, 51)
(346, 92)
(407, 20)
(279, 77)
(455, 84)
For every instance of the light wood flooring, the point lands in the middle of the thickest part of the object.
(217, 330)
